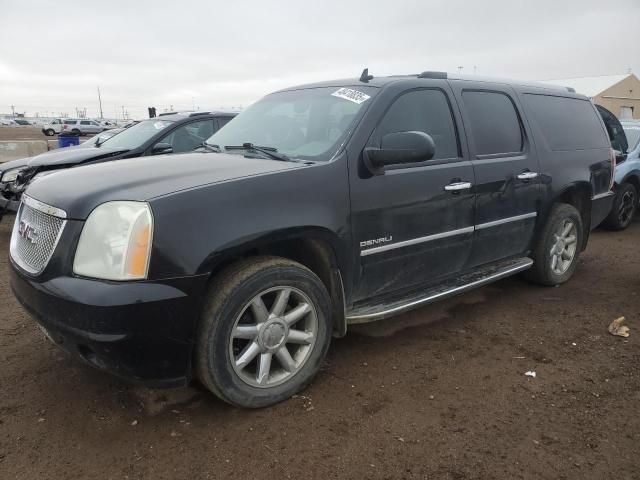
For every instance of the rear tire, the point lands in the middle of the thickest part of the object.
(75, 131)
(555, 257)
(623, 209)
(264, 331)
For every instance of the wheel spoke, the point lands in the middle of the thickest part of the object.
(297, 313)
(264, 367)
(281, 302)
(567, 229)
(285, 359)
(260, 312)
(566, 256)
(247, 355)
(554, 262)
(570, 240)
(245, 331)
(299, 336)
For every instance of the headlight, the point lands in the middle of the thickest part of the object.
(115, 243)
(11, 175)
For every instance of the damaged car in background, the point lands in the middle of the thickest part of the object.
(174, 133)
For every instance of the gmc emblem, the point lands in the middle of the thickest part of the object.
(27, 231)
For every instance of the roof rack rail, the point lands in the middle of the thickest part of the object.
(166, 113)
(195, 114)
(438, 75)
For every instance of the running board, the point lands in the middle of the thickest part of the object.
(371, 313)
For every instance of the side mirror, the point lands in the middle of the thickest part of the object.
(620, 156)
(160, 148)
(397, 148)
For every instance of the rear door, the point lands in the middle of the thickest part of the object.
(507, 179)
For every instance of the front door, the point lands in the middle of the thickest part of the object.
(507, 173)
(414, 224)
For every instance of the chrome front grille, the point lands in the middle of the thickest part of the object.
(35, 234)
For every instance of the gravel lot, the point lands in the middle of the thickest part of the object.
(436, 394)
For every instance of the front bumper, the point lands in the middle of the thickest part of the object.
(8, 204)
(139, 331)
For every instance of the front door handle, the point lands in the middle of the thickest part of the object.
(527, 175)
(457, 186)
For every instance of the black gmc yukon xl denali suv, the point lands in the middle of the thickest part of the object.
(317, 207)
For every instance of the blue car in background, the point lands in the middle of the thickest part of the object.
(625, 136)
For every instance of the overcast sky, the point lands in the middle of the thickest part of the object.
(210, 54)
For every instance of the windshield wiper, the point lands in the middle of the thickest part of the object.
(270, 152)
(210, 146)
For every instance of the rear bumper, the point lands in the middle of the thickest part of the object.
(140, 331)
(600, 207)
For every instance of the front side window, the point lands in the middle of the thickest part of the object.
(189, 136)
(633, 135)
(494, 123)
(309, 124)
(425, 111)
(136, 135)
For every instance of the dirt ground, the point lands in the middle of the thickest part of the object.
(31, 133)
(436, 394)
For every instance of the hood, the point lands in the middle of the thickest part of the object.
(20, 162)
(616, 133)
(80, 190)
(71, 156)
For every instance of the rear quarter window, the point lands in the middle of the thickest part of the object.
(567, 123)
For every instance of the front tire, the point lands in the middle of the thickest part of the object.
(49, 132)
(624, 207)
(555, 257)
(264, 331)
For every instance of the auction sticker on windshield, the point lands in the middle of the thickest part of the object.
(352, 95)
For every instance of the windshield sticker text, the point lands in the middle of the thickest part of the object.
(352, 95)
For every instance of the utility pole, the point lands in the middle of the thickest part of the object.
(122, 112)
(460, 69)
(100, 102)
(13, 111)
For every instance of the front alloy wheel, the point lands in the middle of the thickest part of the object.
(270, 345)
(264, 332)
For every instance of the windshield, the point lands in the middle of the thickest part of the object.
(309, 124)
(136, 135)
(633, 135)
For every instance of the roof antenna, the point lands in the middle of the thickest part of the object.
(365, 77)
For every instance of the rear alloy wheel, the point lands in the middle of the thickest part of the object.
(623, 209)
(555, 257)
(264, 332)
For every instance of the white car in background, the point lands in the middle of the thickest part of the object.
(79, 126)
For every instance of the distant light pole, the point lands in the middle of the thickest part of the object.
(460, 69)
(100, 102)
(13, 111)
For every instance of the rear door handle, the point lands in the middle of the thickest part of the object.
(457, 186)
(527, 175)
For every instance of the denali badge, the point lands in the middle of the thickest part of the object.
(27, 231)
(376, 241)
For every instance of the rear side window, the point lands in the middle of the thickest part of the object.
(425, 111)
(567, 123)
(85, 122)
(494, 123)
